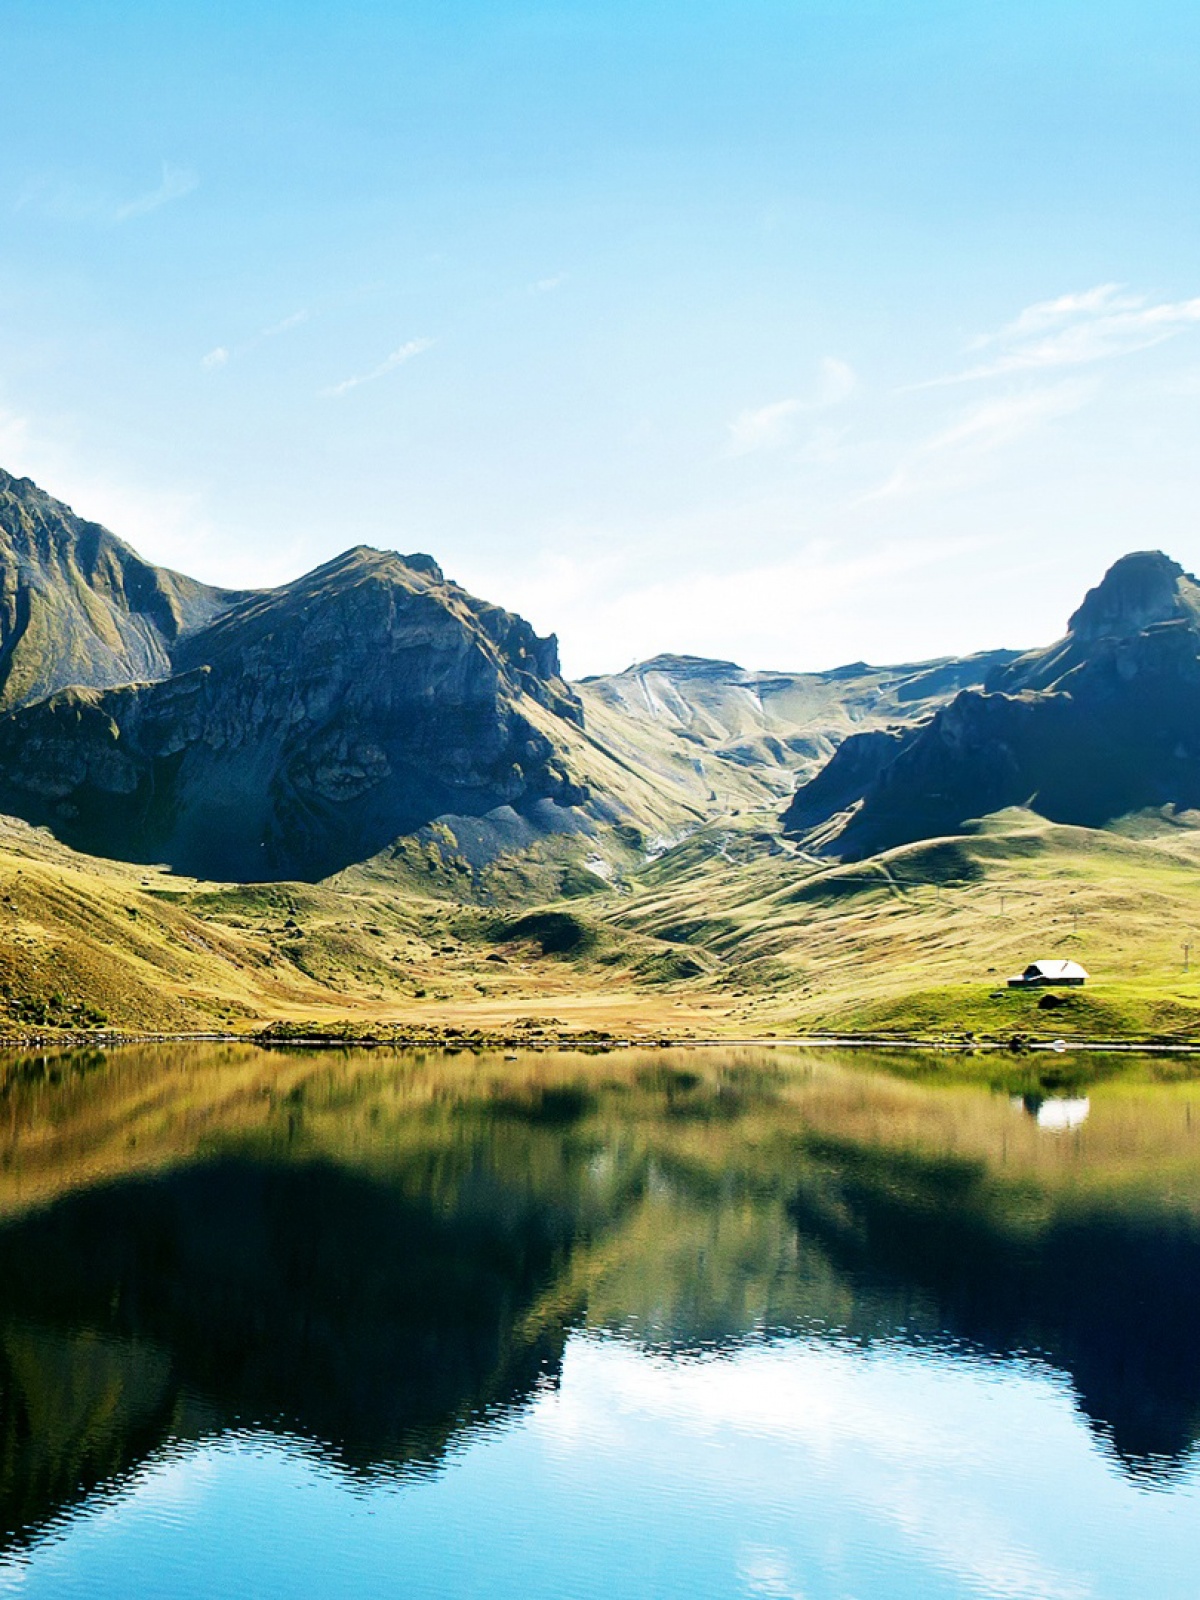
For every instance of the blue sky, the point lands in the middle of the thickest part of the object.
(794, 333)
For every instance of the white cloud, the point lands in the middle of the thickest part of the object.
(997, 423)
(764, 428)
(296, 319)
(548, 285)
(223, 354)
(64, 199)
(60, 199)
(955, 455)
(1076, 329)
(406, 352)
(1103, 299)
(767, 427)
(176, 182)
(802, 610)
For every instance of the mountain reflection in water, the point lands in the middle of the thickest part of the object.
(378, 1250)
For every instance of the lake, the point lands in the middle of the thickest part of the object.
(804, 1325)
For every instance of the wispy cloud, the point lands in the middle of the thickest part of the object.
(805, 607)
(221, 355)
(836, 382)
(176, 182)
(763, 428)
(548, 285)
(768, 427)
(955, 455)
(1077, 329)
(398, 358)
(296, 320)
(63, 199)
(1104, 299)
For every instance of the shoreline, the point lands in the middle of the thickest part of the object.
(276, 1037)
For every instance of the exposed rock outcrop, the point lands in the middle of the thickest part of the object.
(1102, 723)
(78, 606)
(287, 733)
(749, 735)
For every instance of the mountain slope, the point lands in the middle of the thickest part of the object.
(727, 737)
(1102, 723)
(305, 728)
(78, 606)
(295, 731)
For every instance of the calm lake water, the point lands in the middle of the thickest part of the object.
(745, 1322)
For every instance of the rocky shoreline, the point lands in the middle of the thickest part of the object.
(541, 1036)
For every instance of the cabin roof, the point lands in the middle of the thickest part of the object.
(1054, 969)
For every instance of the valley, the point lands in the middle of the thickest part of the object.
(367, 803)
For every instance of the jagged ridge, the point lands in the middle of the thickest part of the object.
(78, 606)
(1104, 722)
(283, 733)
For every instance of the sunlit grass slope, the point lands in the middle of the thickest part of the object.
(87, 943)
(921, 939)
(730, 933)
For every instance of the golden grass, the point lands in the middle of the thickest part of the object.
(730, 934)
(921, 939)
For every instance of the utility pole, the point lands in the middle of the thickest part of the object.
(1075, 915)
(1187, 951)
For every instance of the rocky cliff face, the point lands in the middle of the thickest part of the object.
(287, 733)
(78, 606)
(1104, 722)
(291, 732)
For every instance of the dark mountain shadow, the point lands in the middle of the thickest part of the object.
(240, 1294)
(289, 733)
(1110, 1297)
(1098, 725)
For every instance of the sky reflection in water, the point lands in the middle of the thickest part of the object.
(750, 1325)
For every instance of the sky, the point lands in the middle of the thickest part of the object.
(792, 332)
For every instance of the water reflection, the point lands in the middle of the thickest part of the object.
(1058, 1114)
(376, 1251)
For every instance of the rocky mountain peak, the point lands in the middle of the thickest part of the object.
(1139, 590)
(687, 666)
(416, 561)
(366, 556)
(262, 733)
(78, 606)
(1098, 725)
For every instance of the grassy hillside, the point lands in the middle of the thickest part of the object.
(729, 933)
(87, 944)
(921, 938)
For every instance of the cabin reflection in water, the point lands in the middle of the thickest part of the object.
(1056, 1114)
(377, 1251)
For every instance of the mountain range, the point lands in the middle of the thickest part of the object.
(1102, 723)
(288, 733)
